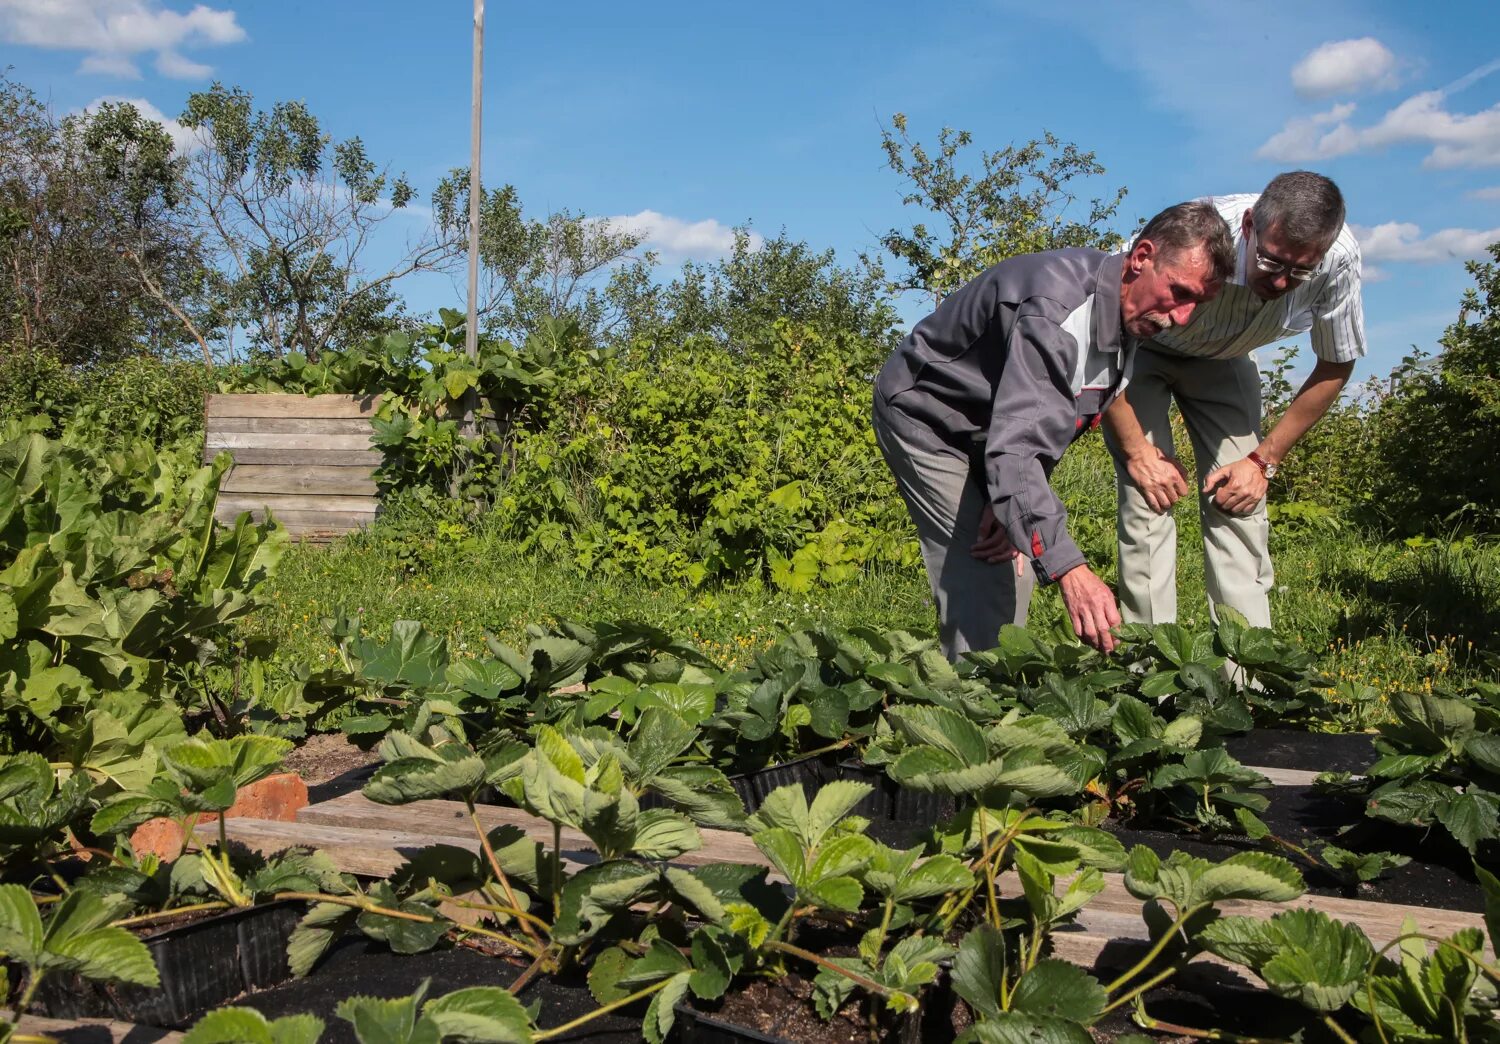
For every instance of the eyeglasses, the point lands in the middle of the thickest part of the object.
(1271, 266)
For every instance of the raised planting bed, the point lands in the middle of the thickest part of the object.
(1299, 749)
(358, 967)
(204, 963)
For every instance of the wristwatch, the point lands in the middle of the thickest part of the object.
(1266, 467)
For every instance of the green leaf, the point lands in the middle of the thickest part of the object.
(1016, 1028)
(320, 926)
(248, 1026)
(660, 834)
(944, 729)
(480, 1013)
(1057, 988)
(418, 779)
(1471, 817)
(20, 925)
(379, 1020)
(980, 968)
(1251, 875)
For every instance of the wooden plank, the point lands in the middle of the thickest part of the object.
(1285, 777)
(293, 425)
(233, 440)
(1114, 909)
(314, 478)
(93, 1031)
(451, 818)
(300, 457)
(329, 521)
(279, 404)
(304, 502)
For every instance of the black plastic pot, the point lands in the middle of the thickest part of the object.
(809, 773)
(202, 965)
(898, 815)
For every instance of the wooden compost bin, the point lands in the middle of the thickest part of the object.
(306, 459)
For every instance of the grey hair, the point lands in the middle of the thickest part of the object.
(1188, 225)
(1306, 209)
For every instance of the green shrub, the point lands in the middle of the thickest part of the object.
(136, 397)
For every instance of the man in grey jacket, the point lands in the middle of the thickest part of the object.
(977, 405)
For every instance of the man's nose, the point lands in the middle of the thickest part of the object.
(1182, 313)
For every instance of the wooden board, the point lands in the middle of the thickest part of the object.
(1114, 911)
(293, 425)
(314, 478)
(93, 1031)
(232, 440)
(331, 521)
(300, 457)
(303, 502)
(283, 405)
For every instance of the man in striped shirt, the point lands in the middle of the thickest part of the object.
(1298, 269)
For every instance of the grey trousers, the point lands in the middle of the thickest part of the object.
(973, 598)
(1220, 404)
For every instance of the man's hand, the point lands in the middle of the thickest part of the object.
(994, 543)
(1237, 488)
(1091, 604)
(1161, 478)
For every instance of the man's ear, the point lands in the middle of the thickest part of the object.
(1247, 222)
(1144, 251)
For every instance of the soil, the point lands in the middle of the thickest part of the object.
(330, 765)
(782, 1009)
(359, 967)
(1298, 749)
(1439, 874)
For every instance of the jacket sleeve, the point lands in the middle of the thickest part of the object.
(1034, 420)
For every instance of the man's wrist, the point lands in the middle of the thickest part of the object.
(1267, 463)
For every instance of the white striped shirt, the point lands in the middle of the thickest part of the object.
(1236, 322)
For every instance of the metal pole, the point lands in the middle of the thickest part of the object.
(471, 327)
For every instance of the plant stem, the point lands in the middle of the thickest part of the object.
(557, 1031)
(162, 915)
(501, 908)
(24, 1001)
(1155, 980)
(489, 854)
(1338, 1031)
(823, 962)
(1156, 948)
(1147, 1022)
(526, 976)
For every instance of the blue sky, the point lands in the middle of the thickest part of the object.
(712, 115)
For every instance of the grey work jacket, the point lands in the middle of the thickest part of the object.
(1008, 371)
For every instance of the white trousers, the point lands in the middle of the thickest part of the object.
(1220, 404)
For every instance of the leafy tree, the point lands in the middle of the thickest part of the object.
(738, 298)
(1436, 436)
(95, 261)
(286, 214)
(566, 266)
(1015, 203)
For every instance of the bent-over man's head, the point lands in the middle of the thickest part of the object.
(1180, 259)
(1289, 229)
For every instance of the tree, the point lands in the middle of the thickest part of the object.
(565, 266)
(739, 297)
(1435, 438)
(89, 224)
(287, 213)
(1015, 204)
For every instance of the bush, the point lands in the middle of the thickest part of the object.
(140, 396)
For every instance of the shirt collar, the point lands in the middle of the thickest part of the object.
(1108, 335)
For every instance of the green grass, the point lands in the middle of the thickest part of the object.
(1381, 616)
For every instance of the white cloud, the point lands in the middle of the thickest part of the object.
(1491, 193)
(1455, 139)
(184, 140)
(113, 32)
(689, 239)
(1343, 67)
(1403, 241)
(110, 65)
(1308, 138)
(170, 63)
